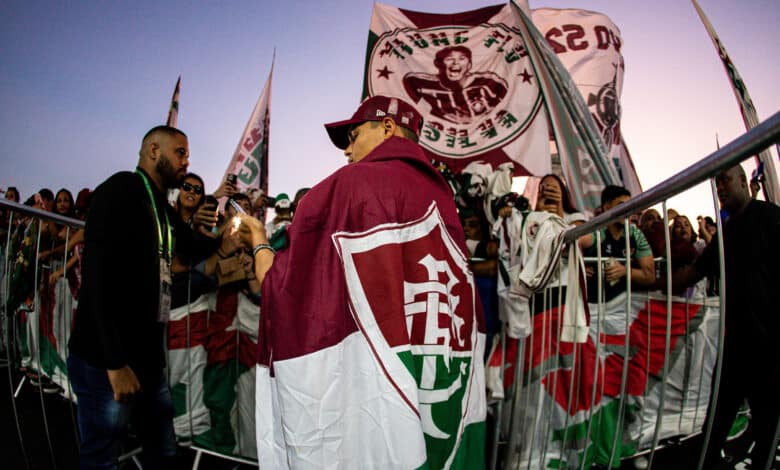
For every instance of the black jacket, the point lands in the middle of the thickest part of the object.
(116, 321)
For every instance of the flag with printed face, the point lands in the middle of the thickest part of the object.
(470, 77)
(589, 45)
(250, 160)
(749, 114)
(173, 112)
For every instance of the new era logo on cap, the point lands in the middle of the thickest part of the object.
(376, 108)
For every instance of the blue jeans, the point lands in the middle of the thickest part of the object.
(103, 422)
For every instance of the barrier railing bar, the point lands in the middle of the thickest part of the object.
(599, 319)
(749, 143)
(668, 338)
(41, 214)
(721, 332)
(500, 403)
(10, 326)
(626, 348)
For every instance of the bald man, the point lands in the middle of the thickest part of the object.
(751, 356)
(117, 351)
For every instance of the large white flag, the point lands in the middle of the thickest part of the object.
(749, 114)
(589, 45)
(470, 77)
(250, 160)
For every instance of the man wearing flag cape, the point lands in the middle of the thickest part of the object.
(371, 338)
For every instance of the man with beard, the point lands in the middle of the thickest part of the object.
(455, 93)
(117, 351)
(751, 356)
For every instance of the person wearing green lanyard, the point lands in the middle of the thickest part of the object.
(117, 353)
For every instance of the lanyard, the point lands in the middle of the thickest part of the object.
(157, 220)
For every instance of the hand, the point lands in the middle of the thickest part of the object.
(550, 199)
(590, 270)
(252, 231)
(231, 242)
(226, 189)
(206, 216)
(55, 276)
(247, 263)
(614, 272)
(124, 383)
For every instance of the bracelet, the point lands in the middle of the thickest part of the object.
(262, 246)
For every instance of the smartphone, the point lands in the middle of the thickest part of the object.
(231, 178)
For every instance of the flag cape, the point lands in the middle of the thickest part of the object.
(489, 114)
(588, 44)
(371, 340)
(560, 380)
(173, 112)
(250, 160)
(749, 114)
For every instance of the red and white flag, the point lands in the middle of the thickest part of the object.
(250, 160)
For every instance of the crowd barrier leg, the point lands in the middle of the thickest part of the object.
(721, 331)
(599, 324)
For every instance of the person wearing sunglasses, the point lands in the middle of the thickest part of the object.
(191, 197)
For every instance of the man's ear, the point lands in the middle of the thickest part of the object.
(154, 151)
(388, 125)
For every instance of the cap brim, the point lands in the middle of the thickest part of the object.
(339, 132)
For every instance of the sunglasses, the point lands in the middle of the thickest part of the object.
(196, 188)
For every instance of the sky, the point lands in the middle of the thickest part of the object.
(81, 82)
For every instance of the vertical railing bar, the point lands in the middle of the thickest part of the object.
(624, 375)
(542, 361)
(668, 338)
(572, 396)
(599, 310)
(37, 310)
(721, 332)
(528, 350)
(11, 327)
(238, 373)
(687, 362)
(189, 355)
(556, 365)
(515, 447)
(67, 324)
(773, 450)
(500, 403)
(705, 303)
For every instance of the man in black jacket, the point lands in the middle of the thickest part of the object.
(751, 355)
(117, 352)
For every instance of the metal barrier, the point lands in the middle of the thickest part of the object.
(645, 373)
(210, 346)
(565, 407)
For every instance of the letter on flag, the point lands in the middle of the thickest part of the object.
(173, 112)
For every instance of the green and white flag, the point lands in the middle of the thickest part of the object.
(173, 112)
(749, 114)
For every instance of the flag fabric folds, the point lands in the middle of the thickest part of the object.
(749, 114)
(491, 89)
(469, 76)
(250, 160)
(589, 44)
(173, 112)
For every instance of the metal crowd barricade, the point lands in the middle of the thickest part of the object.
(643, 378)
(210, 363)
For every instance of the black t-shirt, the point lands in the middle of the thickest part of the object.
(751, 243)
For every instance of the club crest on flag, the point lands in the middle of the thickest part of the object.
(474, 85)
(417, 314)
